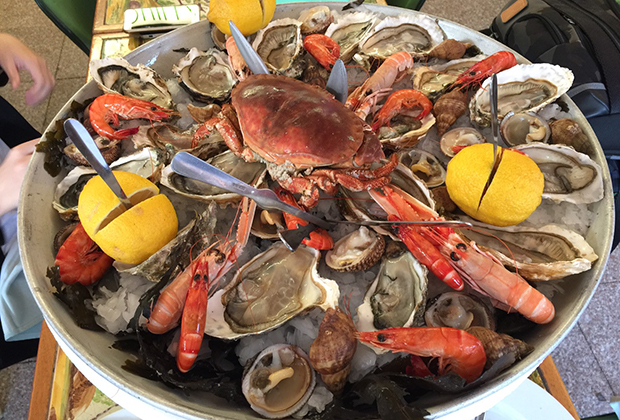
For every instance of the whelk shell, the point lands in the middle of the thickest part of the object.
(497, 345)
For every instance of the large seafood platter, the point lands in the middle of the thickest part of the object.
(224, 321)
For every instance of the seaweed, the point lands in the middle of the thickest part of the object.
(74, 296)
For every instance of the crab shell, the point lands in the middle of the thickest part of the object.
(284, 119)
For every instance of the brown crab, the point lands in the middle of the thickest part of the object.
(295, 128)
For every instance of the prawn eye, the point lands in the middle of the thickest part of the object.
(153, 108)
(454, 256)
(461, 246)
(381, 338)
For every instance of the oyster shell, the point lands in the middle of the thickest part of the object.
(270, 289)
(279, 381)
(433, 81)
(457, 138)
(348, 29)
(397, 297)
(524, 127)
(524, 87)
(569, 175)
(425, 166)
(540, 253)
(315, 20)
(279, 44)
(116, 75)
(207, 76)
(357, 251)
(415, 34)
(458, 310)
(147, 162)
(405, 131)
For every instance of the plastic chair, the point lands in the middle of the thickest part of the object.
(407, 4)
(73, 17)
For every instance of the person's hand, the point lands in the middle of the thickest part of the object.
(12, 172)
(15, 56)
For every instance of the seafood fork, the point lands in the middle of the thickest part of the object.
(497, 157)
(190, 166)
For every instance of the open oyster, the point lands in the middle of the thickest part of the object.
(315, 20)
(398, 295)
(458, 310)
(207, 76)
(433, 81)
(405, 131)
(357, 251)
(279, 381)
(524, 87)
(415, 34)
(116, 75)
(249, 172)
(569, 175)
(540, 253)
(270, 289)
(279, 44)
(348, 29)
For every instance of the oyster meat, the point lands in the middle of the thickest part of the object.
(207, 76)
(270, 289)
(540, 253)
(357, 251)
(279, 381)
(405, 130)
(279, 44)
(415, 34)
(116, 75)
(397, 297)
(569, 175)
(348, 29)
(524, 87)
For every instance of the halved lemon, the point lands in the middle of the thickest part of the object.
(515, 190)
(248, 15)
(133, 235)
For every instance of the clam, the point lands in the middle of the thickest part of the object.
(524, 127)
(457, 138)
(398, 295)
(279, 44)
(357, 251)
(569, 175)
(207, 76)
(415, 34)
(270, 289)
(249, 172)
(425, 166)
(539, 253)
(279, 381)
(458, 310)
(116, 75)
(524, 87)
(348, 29)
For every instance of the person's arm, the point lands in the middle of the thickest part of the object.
(15, 56)
(12, 172)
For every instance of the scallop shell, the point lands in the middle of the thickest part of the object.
(415, 34)
(524, 87)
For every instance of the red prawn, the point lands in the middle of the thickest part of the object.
(401, 101)
(80, 260)
(324, 49)
(495, 63)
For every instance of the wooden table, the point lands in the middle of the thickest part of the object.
(46, 383)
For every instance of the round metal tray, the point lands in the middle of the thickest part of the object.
(38, 223)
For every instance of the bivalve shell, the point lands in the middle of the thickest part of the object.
(524, 87)
(279, 44)
(348, 30)
(357, 251)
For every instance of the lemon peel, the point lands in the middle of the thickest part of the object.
(248, 15)
(133, 235)
(514, 193)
